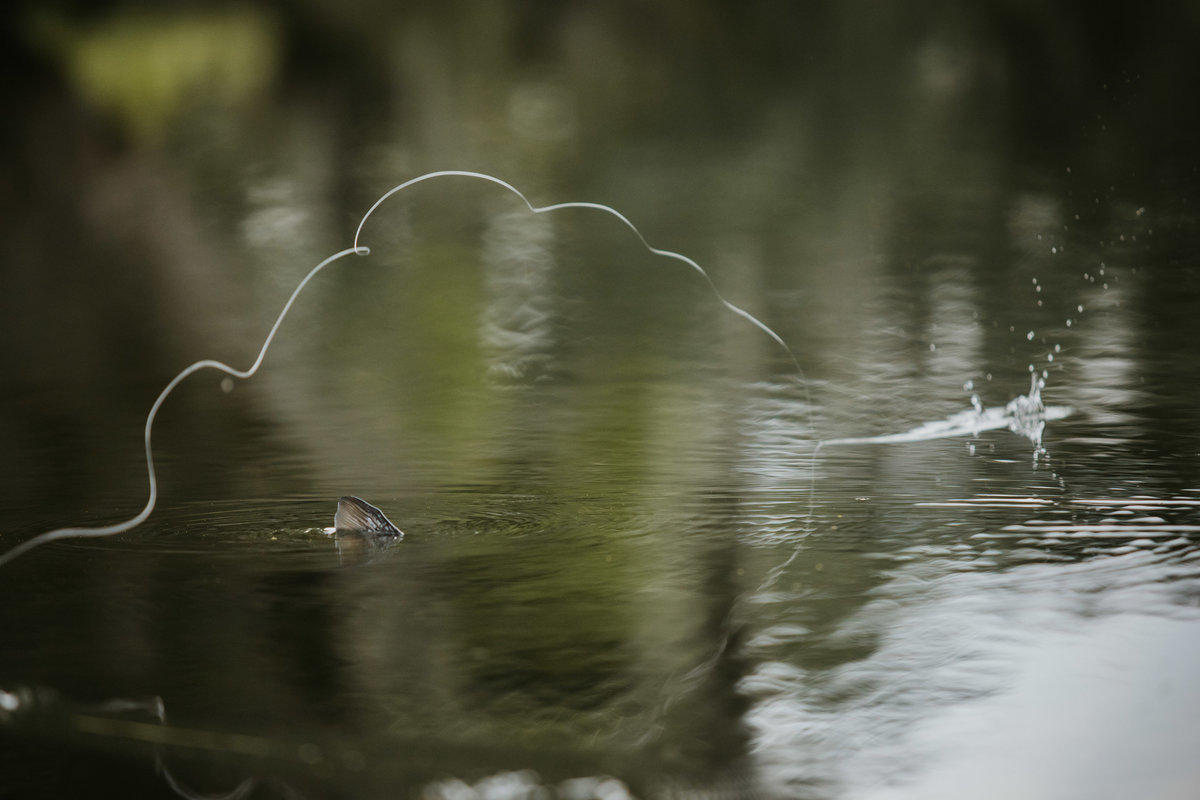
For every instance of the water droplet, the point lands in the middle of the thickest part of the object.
(1029, 336)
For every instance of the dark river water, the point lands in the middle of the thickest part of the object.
(887, 488)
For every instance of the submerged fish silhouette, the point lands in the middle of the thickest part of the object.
(358, 515)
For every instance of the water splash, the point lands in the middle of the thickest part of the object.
(1024, 415)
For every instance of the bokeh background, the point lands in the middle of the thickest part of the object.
(625, 554)
(171, 170)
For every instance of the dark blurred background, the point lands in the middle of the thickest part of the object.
(927, 200)
(171, 169)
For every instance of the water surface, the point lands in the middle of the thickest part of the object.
(647, 553)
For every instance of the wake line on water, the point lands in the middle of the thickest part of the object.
(357, 249)
(1025, 415)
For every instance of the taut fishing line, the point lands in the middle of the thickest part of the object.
(357, 249)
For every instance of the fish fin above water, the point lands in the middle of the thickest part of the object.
(354, 514)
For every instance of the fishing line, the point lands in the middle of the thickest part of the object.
(357, 249)
(596, 207)
(140, 517)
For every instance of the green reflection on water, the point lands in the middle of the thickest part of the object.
(147, 68)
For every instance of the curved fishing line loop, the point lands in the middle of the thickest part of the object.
(455, 173)
(357, 249)
(207, 363)
(774, 574)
